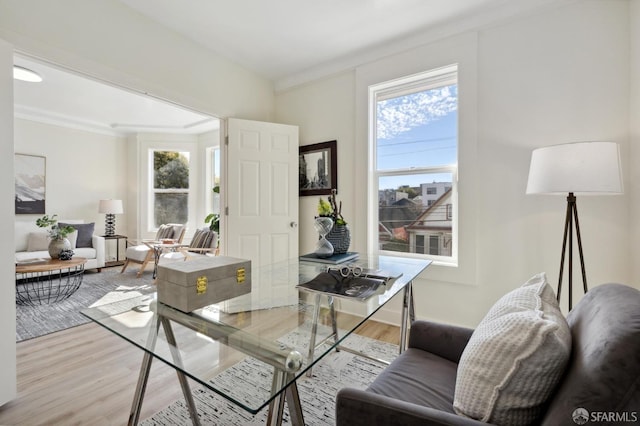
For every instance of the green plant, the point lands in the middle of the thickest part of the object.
(213, 219)
(331, 208)
(55, 231)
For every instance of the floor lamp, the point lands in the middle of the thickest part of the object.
(581, 168)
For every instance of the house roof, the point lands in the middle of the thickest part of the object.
(430, 211)
(399, 214)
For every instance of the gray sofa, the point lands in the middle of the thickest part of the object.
(602, 376)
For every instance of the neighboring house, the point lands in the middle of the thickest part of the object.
(387, 197)
(394, 218)
(431, 192)
(431, 232)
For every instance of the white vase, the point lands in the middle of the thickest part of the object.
(323, 225)
(56, 245)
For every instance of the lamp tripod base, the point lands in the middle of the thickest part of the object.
(571, 220)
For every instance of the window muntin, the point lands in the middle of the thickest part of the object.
(415, 147)
(170, 192)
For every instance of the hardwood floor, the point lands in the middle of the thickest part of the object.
(86, 375)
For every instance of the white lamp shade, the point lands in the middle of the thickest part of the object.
(110, 207)
(585, 168)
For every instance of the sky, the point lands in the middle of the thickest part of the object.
(417, 130)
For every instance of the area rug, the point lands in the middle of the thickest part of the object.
(317, 394)
(97, 288)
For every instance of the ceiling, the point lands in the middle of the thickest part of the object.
(286, 41)
(282, 38)
(66, 99)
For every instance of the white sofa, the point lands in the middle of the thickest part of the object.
(31, 242)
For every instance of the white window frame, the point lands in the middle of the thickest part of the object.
(181, 143)
(212, 200)
(153, 190)
(434, 78)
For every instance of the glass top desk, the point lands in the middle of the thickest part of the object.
(275, 326)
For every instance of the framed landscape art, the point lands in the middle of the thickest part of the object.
(318, 168)
(30, 179)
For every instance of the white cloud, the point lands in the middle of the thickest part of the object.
(398, 115)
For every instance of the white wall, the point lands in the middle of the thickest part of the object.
(8, 382)
(554, 77)
(82, 168)
(633, 185)
(108, 40)
(325, 111)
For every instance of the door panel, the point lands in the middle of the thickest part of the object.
(262, 201)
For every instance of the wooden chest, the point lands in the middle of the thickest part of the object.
(196, 283)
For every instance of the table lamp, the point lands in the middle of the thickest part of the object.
(111, 208)
(583, 168)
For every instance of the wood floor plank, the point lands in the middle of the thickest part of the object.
(87, 375)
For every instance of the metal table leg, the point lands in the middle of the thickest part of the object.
(136, 407)
(290, 394)
(184, 384)
(314, 332)
(334, 323)
(293, 402)
(408, 314)
(143, 377)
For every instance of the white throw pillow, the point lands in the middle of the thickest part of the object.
(38, 241)
(515, 357)
(73, 238)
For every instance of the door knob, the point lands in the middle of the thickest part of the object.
(293, 224)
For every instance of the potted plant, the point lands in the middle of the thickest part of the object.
(339, 236)
(213, 219)
(57, 234)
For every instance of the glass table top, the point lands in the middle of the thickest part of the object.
(252, 337)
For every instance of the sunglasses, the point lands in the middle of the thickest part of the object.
(348, 270)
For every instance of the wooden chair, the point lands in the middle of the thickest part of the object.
(144, 253)
(203, 243)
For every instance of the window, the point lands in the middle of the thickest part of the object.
(170, 192)
(213, 178)
(434, 244)
(414, 145)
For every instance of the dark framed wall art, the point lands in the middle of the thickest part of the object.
(318, 168)
(30, 179)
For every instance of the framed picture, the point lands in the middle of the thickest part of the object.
(30, 179)
(318, 168)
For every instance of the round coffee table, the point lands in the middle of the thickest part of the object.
(48, 281)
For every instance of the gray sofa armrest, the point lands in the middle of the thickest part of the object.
(446, 341)
(356, 407)
(98, 243)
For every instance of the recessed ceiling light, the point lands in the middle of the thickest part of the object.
(25, 74)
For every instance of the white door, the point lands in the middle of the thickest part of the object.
(261, 193)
